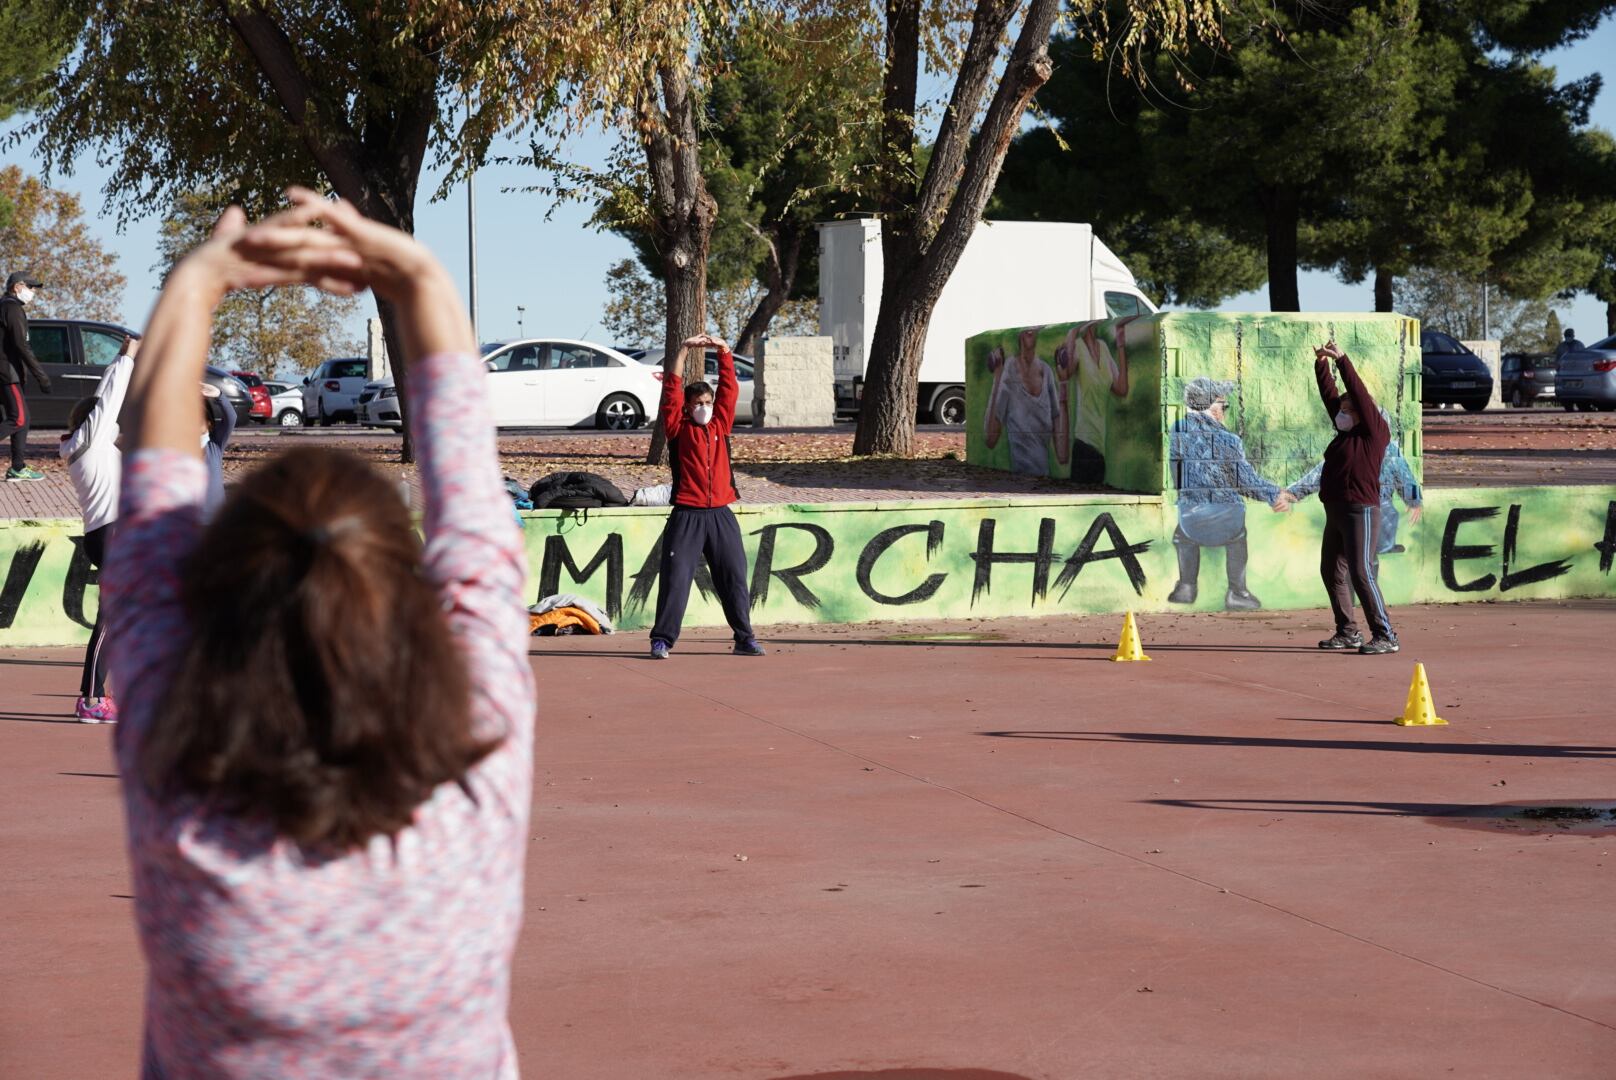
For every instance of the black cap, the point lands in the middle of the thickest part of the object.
(27, 279)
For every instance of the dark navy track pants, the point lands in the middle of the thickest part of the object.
(697, 533)
(1348, 563)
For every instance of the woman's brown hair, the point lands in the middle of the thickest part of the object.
(321, 689)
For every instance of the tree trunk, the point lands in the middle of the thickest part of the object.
(1383, 289)
(683, 213)
(377, 169)
(886, 423)
(1610, 317)
(1281, 217)
(924, 232)
(785, 252)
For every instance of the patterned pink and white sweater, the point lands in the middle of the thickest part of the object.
(392, 961)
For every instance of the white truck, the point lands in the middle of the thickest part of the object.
(1013, 273)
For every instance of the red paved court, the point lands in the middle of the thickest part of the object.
(874, 855)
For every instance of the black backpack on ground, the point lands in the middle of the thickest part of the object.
(574, 491)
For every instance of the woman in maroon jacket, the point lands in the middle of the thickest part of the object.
(1349, 488)
(701, 526)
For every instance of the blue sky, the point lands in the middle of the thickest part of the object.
(550, 262)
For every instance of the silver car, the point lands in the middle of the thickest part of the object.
(1587, 377)
(745, 413)
(378, 405)
(331, 391)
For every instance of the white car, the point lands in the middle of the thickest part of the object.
(745, 411)
(331, 391)
(547, 382)
(378, 404)
(285, 404)
(554, 382)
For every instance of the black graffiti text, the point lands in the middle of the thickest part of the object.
(1508, 578)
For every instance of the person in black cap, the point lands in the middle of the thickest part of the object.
(16, 363)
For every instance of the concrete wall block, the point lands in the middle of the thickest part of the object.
(796, 379)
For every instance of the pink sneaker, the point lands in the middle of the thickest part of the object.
(103, 712)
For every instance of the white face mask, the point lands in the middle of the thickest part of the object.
(1344, 421)
(25, 294)
(701, 414)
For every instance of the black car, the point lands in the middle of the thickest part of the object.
(75, 353)
(1523, 378)
(1453, 375)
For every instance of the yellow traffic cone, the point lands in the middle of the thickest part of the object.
(1419, 711)
(1128, 648)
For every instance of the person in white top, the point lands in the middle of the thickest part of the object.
(90, 449)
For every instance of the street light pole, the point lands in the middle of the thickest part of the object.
(471, 235)
(1486, 320)
(520, 311)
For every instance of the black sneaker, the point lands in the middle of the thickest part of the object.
(749, 647)
(1343, 641)
(1379, 645)
(659, 649)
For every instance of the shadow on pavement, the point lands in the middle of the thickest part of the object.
(41, 718)
(908, 1074)
(1328, 806)
(962, 640)
(40, 663)
(1173, 739)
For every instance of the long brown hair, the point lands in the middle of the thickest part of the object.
(321, 689)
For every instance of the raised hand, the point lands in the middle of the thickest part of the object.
(391, 262)
(280, 250)
(400, 269)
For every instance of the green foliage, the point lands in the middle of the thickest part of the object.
(1373, 136)
(34, 37)
(1451, 301)
(780, 151)
(636, 311)
(1095, 165)
(44, 233)
(175, 99)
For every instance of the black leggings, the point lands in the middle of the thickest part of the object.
(14, 420)
(93, 683)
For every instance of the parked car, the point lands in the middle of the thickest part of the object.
(745, 406)
(1525, 378)
(1586, 378)
(549, 382)
(331, 391)
(378, 404)
(75, 354)
(1453, 375)
(261, 409)
(285, 404)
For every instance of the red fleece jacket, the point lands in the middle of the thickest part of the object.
(699, 453)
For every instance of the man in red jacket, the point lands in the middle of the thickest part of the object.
(701, 526)
(1349, 488)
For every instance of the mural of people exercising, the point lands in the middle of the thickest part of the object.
(1213, 479)
(1396, 481)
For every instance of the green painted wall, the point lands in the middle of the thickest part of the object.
(1077, 554)
(1274, 408)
